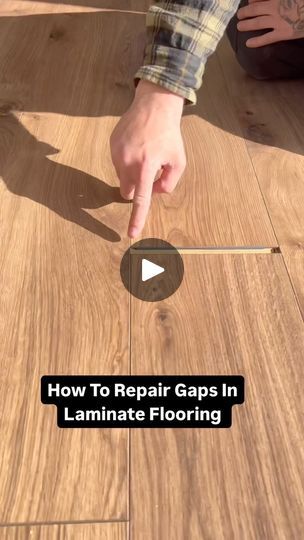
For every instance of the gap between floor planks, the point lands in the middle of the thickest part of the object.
(206, 251)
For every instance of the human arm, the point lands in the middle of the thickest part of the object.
(181, 35)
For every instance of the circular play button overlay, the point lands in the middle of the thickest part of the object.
(152, 270)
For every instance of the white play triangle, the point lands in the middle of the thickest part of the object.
(150, 270)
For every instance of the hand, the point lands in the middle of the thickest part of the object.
(147, 149)
(285, 17)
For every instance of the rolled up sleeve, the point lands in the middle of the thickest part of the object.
(181, 35)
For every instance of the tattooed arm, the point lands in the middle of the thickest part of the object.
(292, 11)
(282, 20)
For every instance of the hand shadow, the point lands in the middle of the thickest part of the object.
(66, 71)
(62, 189)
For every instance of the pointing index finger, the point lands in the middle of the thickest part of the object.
(141, 204)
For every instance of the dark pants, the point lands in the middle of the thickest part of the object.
(284, 59)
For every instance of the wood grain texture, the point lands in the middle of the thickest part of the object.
(64, 309)
(272, 117)
(101, 531)
(218, 201)
(64, 63)
(232, 315)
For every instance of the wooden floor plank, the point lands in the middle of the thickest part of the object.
(102, 531)
(233, 314)
(218, 200)
(271, 117)
(64, 309)
(65, 62)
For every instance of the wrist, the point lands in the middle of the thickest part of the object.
(158, 96)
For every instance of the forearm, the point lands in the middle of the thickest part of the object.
(181, 35)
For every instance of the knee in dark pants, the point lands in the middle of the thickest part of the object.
(279, 60)
(258, 63)
(261, 63)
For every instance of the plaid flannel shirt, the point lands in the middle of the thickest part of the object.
(181, 35)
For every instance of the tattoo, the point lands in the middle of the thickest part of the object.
(292, 11)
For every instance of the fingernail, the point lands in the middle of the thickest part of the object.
(132, 232)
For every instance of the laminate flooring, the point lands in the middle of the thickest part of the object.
(65, 79)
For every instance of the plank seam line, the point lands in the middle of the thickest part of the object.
(89, 10)
(130, 373)
(129, 430)
(83, 522)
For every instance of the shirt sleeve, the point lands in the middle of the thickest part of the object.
(181, 35)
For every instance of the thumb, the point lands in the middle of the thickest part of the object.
(169, 178)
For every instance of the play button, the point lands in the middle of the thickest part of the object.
(152, 270)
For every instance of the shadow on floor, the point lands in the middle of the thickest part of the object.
(53, 63)
(64, 190)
